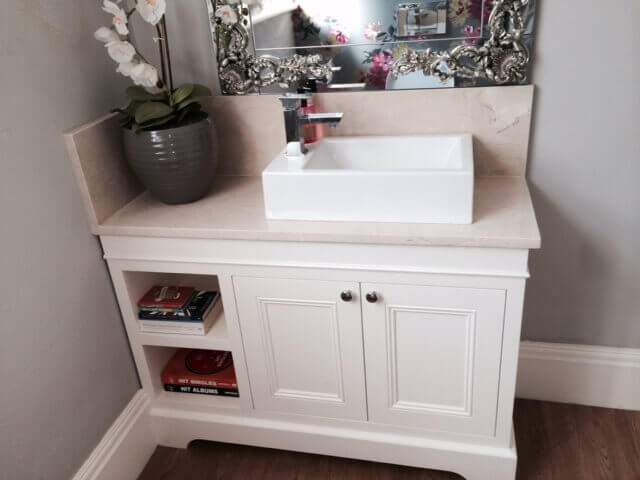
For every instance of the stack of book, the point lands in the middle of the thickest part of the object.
(207, 372)
(181, 310)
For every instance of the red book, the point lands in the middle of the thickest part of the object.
(162, 297)
(203, 368)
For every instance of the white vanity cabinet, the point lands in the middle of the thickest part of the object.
(392, 353)
(431, 356)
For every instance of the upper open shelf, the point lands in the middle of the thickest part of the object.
(140, 282)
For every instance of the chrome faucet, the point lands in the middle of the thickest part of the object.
(294, 118)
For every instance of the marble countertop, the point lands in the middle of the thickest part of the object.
(503, 217)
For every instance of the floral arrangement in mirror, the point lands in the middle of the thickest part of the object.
(168, 137)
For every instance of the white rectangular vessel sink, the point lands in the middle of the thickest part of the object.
(409, 179)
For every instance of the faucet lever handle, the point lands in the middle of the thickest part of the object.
(293, 101)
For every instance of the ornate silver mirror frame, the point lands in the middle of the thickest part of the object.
(503, 58)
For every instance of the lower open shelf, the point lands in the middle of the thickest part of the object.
(157, 358)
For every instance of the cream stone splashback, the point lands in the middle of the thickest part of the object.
(251, 128)
(104, 178)
(251, 132)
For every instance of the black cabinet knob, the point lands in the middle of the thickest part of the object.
(346, 296)
(372, 297)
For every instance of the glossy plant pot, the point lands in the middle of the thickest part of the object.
(176, 165)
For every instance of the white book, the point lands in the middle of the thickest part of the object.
(184, 328)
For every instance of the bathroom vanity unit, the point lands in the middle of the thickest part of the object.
(387, 342)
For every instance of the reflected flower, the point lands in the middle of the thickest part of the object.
(380, 68)
(471, 35)
(371, 30)
(227, 15)
(338, 37)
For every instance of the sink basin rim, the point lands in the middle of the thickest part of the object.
(280, 165)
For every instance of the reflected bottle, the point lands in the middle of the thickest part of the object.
(311, 132)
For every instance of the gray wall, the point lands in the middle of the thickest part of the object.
(584, 169)
(65, 368)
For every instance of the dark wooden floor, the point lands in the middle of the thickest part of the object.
(555, 442)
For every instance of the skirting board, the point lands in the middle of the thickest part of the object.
(580, 374)
(125, 448)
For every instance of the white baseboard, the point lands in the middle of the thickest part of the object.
(555, 372)
(125, 448)
(582, 374)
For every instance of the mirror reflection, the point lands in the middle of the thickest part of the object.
(363, 37)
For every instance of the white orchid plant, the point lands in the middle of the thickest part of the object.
(154, 103)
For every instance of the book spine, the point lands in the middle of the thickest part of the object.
(226, 392)
(170, 324)
(173, 329)
(181, 381)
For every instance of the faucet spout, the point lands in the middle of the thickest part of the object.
(294, 118)
(333, 119)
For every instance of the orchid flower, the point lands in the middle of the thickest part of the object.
(145, 75)
(121, 52)
(151, 11)
(126, 68)
(119, 16)
(106, 35)
(132, 64)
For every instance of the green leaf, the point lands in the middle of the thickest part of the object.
(152, 111)
(156, 123)
(186, 103)
(200, 91)
(132, 107)
(139, 94)
(182, 93)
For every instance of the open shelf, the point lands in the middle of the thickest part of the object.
(138, 283)
(216, 339)
(157, 357)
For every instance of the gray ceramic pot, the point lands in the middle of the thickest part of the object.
(176, 165)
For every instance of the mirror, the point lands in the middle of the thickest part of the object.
(271, 46)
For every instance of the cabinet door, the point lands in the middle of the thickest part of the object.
(432, 356)
(303, 346)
